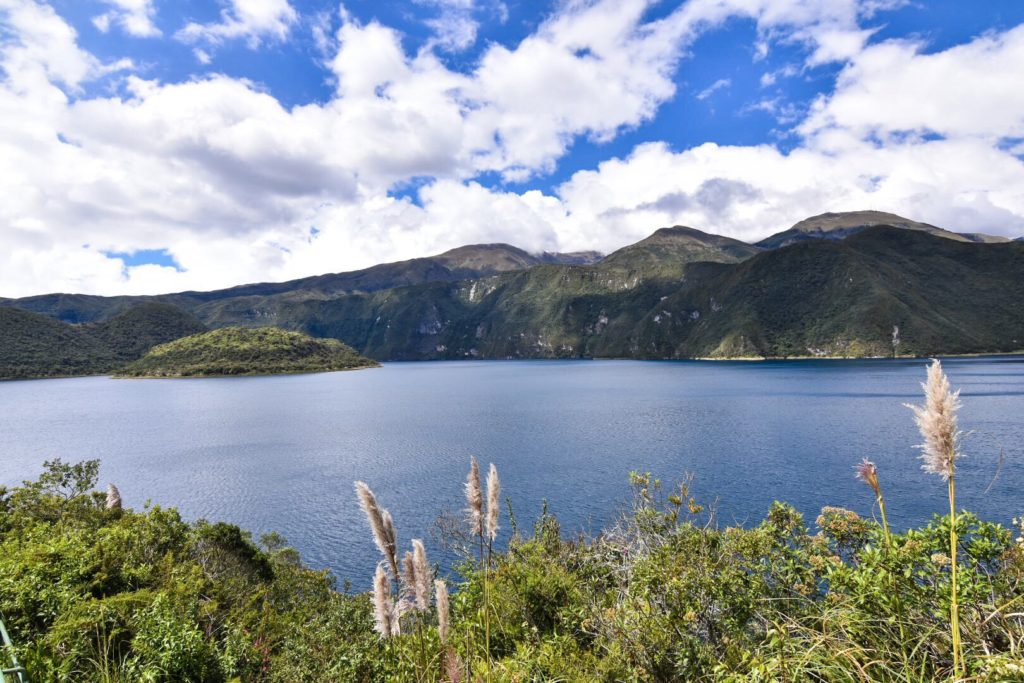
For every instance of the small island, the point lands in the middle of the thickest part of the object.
(233, 351)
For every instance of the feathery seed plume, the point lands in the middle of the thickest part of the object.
(398, 609)
(409, 570)
(868, 473)
(441, 589)
(383, 609)
(113, 498)
(493, 504)
(938, 423)
(380, 524)
(474, 497)
(392, 540)
(422, 575)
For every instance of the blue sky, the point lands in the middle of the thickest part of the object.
(156, 145)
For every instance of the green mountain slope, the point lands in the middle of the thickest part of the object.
(816, 298)
(35, 345)
(245, 351)
(845, 298)
(140, 328)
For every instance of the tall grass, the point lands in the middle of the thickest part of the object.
(937, 421)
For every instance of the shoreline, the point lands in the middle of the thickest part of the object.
(244, 374)
(700, 359)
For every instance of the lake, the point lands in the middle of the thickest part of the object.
(281, 453)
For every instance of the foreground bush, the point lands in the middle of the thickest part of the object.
(96, 594)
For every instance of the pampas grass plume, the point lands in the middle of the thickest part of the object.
(441, 591)
(938, 423)
(474, 499)
(380, 524)
(113, 498)
(409, 570)
(383, 608)
(493, 504)
(422, 575)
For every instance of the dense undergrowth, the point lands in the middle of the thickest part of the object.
(93, 592)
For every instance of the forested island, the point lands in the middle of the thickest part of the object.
(232, 351)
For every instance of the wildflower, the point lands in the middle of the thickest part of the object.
(868, 473)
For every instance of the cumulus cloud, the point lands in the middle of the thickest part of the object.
(251, 20)
(135, 17)
(238, 187)
(894, 88)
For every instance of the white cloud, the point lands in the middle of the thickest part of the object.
(230, 181)
(252, 20)
(135, 17)
(713, 88)
(893, 88)
(454, 25)
(41, 48)
(770, 78)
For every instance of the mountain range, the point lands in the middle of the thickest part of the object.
(832, 285)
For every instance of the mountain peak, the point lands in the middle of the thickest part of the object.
(840, 225)
(674, 247)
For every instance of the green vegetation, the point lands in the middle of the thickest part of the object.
(245, 351)
(91, 594)
(94, 592)
(34, 345)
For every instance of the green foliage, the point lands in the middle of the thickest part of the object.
(662, 595)
(90, 594)
(245, 351)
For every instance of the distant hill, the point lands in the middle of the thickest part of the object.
(837, 226)
(245, 351)
(35, 345)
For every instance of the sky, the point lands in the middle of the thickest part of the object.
(152, 146)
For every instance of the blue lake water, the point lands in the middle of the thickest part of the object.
(281, 453)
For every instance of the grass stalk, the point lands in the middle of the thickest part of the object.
(954, 605)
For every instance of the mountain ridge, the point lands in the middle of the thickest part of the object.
(679, 293)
